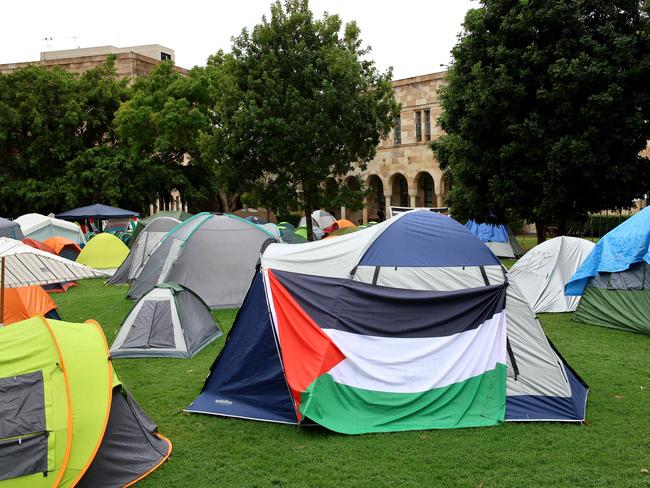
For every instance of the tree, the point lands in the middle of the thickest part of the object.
(546, 109)
(297, 101)
(48, 117)
(158, 130)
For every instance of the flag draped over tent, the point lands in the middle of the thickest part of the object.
(415, 352)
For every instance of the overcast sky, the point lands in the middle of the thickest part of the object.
(413, 36)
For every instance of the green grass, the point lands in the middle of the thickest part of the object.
(611, 449)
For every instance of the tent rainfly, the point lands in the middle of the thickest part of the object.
(63, 247)
(498, 237)
(72, 425)
(22, 265)
(399, 327)
(542, 273)
(27, 301)
(11, 229)
(614, 280)
(144, 244)
(212, 255)
(105, 252)
(40, 228)
(169, 321)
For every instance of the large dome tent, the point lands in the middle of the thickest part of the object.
(213, 255)
(40, 227)
(143, 245)
(104, 252)
(542, 273)
(364, 319)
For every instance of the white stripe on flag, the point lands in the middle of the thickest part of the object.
(411, 365)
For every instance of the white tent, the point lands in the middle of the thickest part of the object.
(41, 227)
(320, 218)
(544, 270)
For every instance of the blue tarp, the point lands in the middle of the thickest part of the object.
(627, 244)
(97, 210)
(427, 239)
(488, 232)
(247, 380)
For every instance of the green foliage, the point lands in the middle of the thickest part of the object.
(158, 130)
(297, 102)
(610, 449)
(48, 117)
(546, 109)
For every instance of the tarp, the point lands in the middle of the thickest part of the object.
(352, 314)
(616, 251)
(57, 385)
(98, 210)
(498, 237)
(105, 252)
(11, 229)
(25, 266)
(40, 227)
(542, 273)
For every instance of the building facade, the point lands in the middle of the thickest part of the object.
(404, 171)
(130, 62)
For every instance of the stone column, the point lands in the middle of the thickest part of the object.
(342, 213)
(413, 194)
(441, 201)
(364, 215)
(387, 196)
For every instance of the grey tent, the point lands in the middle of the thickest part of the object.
(169, 321)
(11, 229)
(144, 244)
(142, 223)
(212, 255)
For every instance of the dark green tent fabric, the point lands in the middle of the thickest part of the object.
(618, 309)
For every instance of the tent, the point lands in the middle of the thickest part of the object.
(38, 245)
(97, 211)
(398, 327)
(212, 255)
(11, 229)
(320, 218)
(142, 223)
(344, 223)
(614, 280)
(146, 241)
(67, 419)
(63, 247)
(27, 301)
(40, 227)
(257, 220)
(542, 273)
(105, 252)
(498, 237)
(169, 321)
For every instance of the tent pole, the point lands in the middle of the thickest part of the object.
(2, 291)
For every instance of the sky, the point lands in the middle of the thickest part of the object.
(412, 36)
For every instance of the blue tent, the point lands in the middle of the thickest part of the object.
(498, 237)
(393, 261)
(97, 211)
(620, 248)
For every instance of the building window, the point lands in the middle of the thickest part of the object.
(418, 126)
(404, 193)
(427, 125)
(398, 130)
(165, 56)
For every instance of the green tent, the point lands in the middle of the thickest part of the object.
(72, 423)
(104, 251)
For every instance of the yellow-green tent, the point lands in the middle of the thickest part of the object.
(68, 422)
(104, 251)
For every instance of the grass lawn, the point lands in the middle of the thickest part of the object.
(611, 449)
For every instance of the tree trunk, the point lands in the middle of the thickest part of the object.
(308, 210)
(540, 227)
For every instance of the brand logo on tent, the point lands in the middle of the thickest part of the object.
(223, 402)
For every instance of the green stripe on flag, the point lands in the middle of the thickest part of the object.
(475, 402)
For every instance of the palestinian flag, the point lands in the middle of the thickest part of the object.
(362, 358)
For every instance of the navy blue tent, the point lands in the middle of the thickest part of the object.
(97, 211)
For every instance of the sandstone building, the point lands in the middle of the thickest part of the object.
(404, 171)
(130, 61)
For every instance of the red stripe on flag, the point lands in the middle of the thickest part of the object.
(307, 352)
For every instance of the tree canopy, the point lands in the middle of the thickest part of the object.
(546, 110)
(297, 101)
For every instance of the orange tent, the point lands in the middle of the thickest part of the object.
(343, 223)
(38, 245)
(26, 301)
(63, 247)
